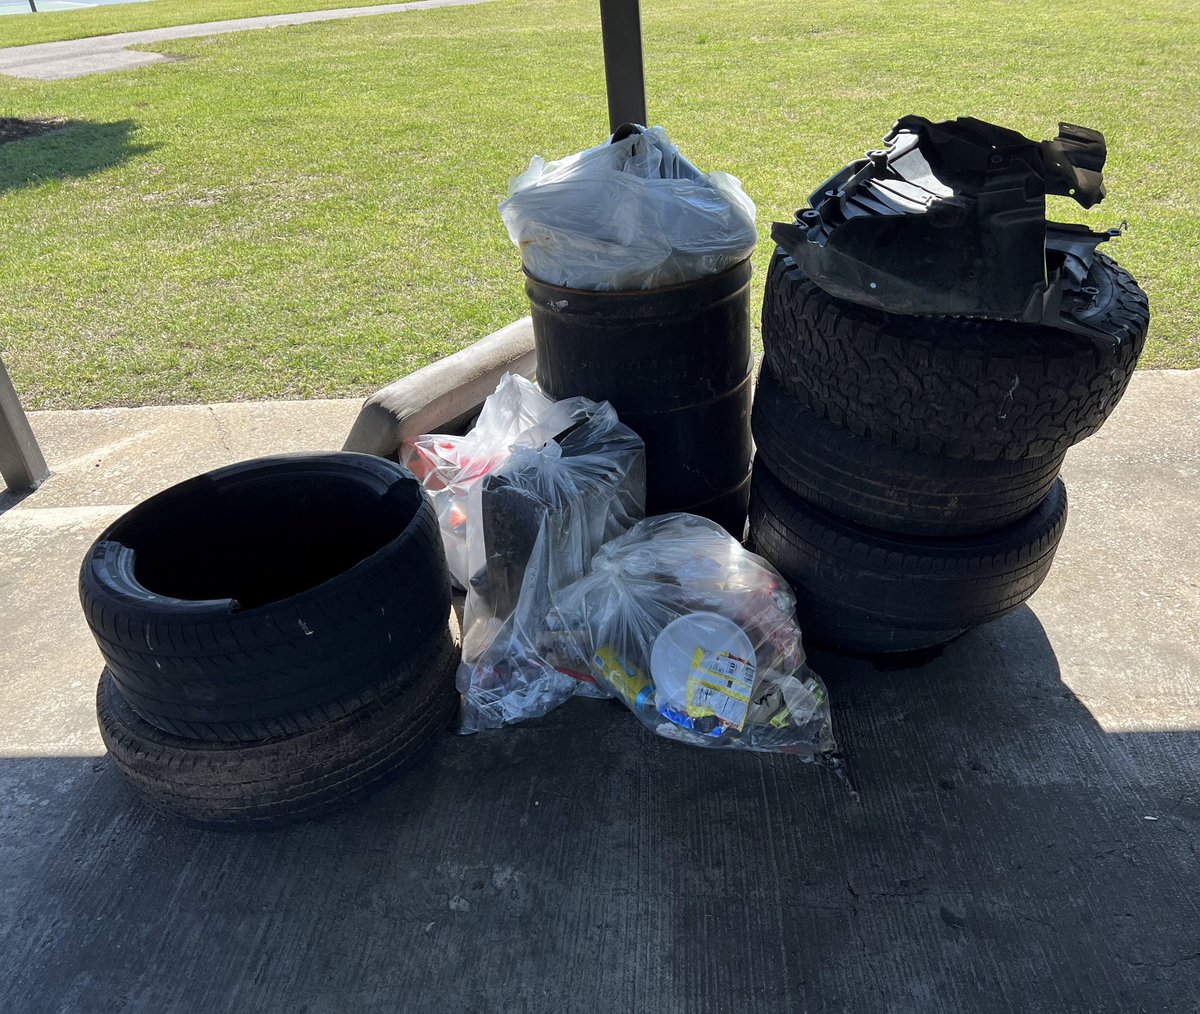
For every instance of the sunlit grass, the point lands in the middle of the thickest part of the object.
(312, 211)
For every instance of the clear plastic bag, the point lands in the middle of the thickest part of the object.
(697, 637)
(628, 214)
(452, 468)
(525, 501)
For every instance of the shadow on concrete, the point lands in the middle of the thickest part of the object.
(73, 151)
(999, 858)
(9, 500)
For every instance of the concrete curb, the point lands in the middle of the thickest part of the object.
(443, 396)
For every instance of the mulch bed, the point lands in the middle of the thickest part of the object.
(12, 129)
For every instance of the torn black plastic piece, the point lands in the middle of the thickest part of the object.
(950, 219)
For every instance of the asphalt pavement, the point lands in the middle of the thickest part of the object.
(56, 61)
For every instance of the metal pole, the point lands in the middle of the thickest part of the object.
(621, 25)
(32, 7)
(21, 461)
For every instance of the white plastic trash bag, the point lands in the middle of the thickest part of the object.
(628, 214)
(697, 636)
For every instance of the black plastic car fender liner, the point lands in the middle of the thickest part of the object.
(950, 220)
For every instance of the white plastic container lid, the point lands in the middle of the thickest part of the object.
(673, 657)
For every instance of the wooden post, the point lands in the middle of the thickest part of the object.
(621, 26)
(21, 462)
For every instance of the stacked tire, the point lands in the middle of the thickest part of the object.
(677, 364)
(907, 472)
(277, 637)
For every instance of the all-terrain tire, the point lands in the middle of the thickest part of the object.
(287, 778)
(886, 487)
(863, 591)
(951, 386)
(269, 597)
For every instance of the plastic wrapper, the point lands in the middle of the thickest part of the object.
(697, 636)
(525, 500)
(629, 214)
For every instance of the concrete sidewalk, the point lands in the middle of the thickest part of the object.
(103, 462)
(1026, 838)
(55, 61)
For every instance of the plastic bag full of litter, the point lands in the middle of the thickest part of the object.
(544, 513)
(697, 636)
(632, 213)
(452, 468)
(524, 501)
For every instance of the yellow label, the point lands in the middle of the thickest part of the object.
(698, 700)
(720, 685)
(627, 681)
(721, 701)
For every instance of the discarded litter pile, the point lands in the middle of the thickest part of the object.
(932, 348)
(672, 615)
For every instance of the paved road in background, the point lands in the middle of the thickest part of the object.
(55, 61)
(53, 6)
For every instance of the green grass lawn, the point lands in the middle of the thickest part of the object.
(312, 211)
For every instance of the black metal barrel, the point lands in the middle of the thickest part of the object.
(676, 364)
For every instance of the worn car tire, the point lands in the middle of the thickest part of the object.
(268, 597)
(886, 487)
(951, 386)
(287, 778)
(872, 592)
